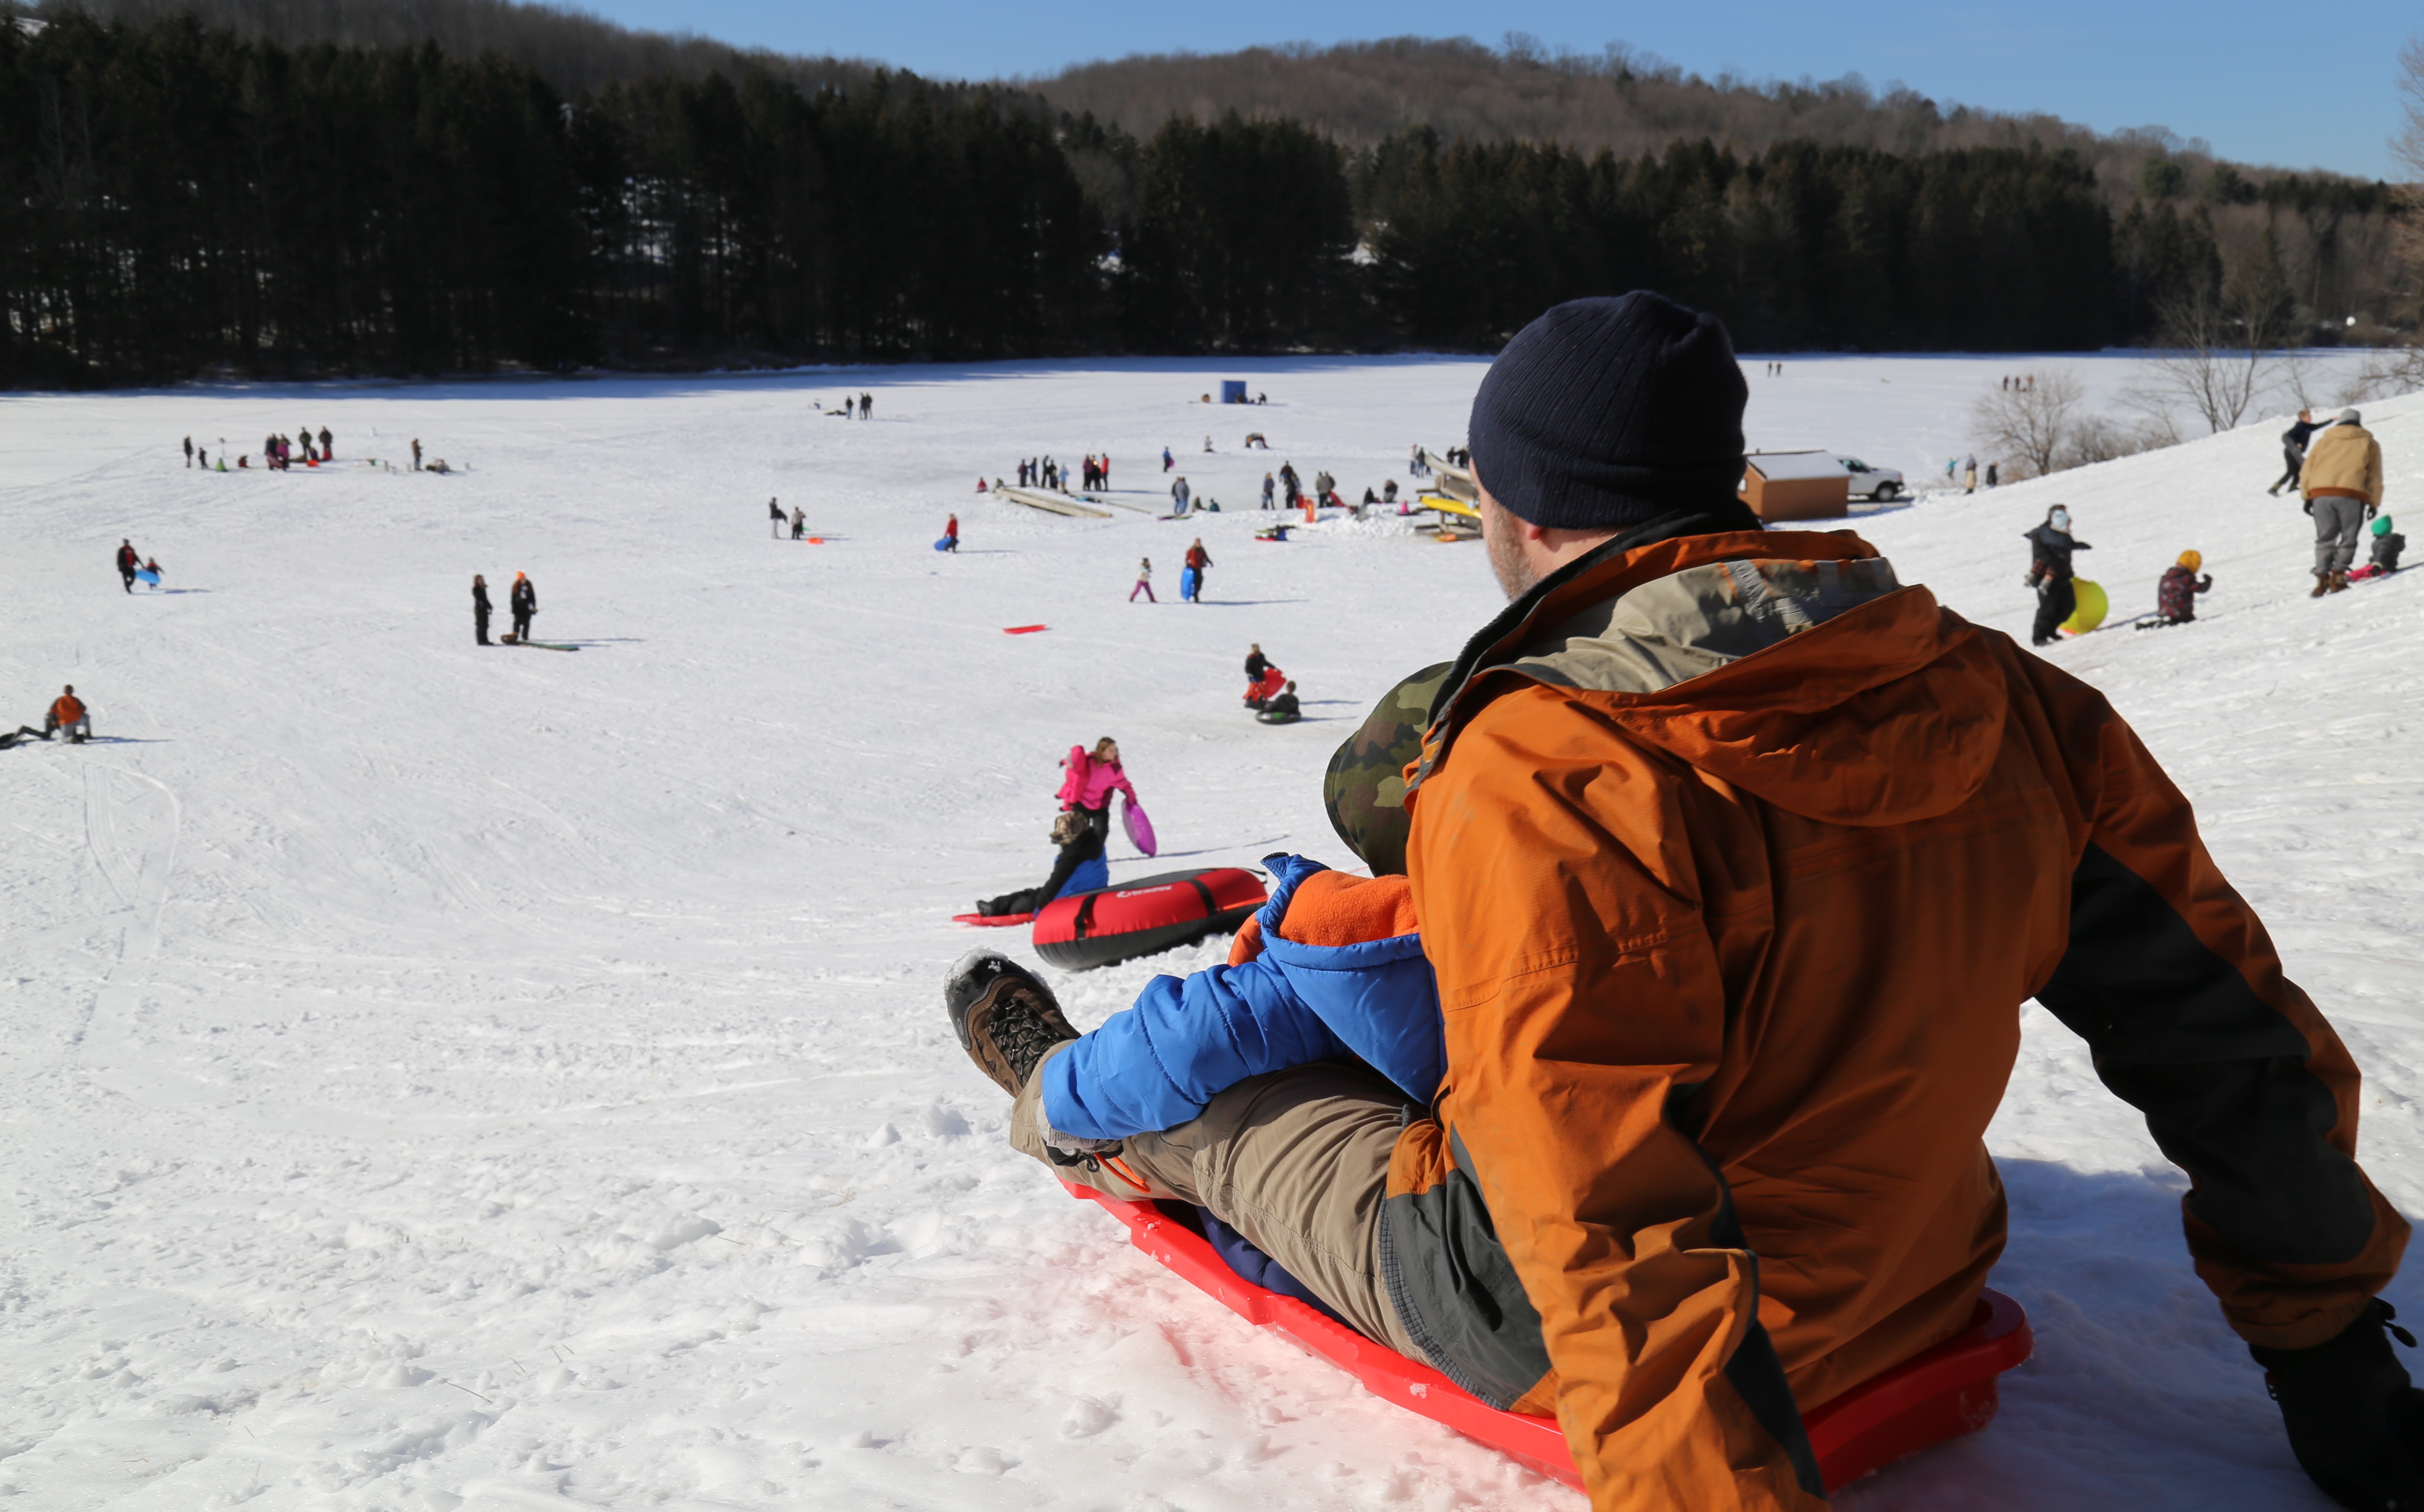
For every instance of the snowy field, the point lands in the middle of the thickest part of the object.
(440, 1078)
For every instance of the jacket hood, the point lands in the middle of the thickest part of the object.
(1790, 664)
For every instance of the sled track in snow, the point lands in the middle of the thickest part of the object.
(108, 1048)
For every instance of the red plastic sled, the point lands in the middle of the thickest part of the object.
(1940, 1394)
(1139, 918)
(993, 921)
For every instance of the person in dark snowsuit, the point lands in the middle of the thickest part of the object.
(327, 445)
(2294, 450)
(2050, 573)
(480, 609)
(867, 406)
(189, 451)
(524, 601)
(1255, 662)
(128, 560)
(1281, 707)
(1078, 868)
(2176, 596)
(774, 513)
(2388, 544)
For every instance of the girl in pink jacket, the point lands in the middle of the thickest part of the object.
(1092, 777)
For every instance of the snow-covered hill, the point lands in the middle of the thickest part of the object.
(444, 1077)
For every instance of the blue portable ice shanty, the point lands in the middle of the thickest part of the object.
(1232, 390)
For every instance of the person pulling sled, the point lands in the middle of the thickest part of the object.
(524, 603)
(2050, 545)
(2176, 595)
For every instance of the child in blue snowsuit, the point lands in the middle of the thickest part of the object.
(1279, 1003)
(1367, 993)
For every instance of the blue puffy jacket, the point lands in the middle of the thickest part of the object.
(1340, 973)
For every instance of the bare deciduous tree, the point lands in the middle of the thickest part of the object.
(2033, 426)
(2101, 439)
(2407, 372)
(2218, 355)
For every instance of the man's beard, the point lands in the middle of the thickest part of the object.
(1514, 574)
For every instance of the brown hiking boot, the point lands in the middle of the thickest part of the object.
(1006, 1019)
(2339, 582)
(2322, 585)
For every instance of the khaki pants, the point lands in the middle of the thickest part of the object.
(1295, 1160)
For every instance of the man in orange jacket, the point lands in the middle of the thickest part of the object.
(67, 714)
(1735, 858)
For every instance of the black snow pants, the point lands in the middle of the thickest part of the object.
(2297, 461)
(1085, 848)
(2056, 601)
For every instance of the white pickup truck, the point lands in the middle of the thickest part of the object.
(1880, 483)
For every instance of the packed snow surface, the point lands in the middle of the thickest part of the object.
(442, 1078)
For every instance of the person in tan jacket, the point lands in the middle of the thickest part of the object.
(1734, 858)
(2342, 485)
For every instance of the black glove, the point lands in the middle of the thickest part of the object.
(2356, 1422)
(2369, 509)
(2308, 507)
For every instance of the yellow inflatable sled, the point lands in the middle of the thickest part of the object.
(2090, 610)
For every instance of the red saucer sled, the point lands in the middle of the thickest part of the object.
(1149, 914)
(1936, 1394)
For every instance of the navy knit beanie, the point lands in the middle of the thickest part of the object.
(1611, 412)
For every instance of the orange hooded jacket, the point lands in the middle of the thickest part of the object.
(1736, 860)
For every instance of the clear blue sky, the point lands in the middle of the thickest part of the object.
(2301, 87)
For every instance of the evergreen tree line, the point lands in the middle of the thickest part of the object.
(175, 200)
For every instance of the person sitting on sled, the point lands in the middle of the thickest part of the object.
(1281, 707)
(2387, 545)
(68, 716)
(1732, 860)
(1079, 868)
(2176, 595)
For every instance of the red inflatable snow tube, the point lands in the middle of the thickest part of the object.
(1141, 917)
(1936, 1394)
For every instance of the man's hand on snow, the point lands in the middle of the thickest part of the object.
(2355, 1422)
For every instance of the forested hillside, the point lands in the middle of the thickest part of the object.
(572, 49)
(303, 190)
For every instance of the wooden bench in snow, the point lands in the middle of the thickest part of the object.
(1052, 502)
